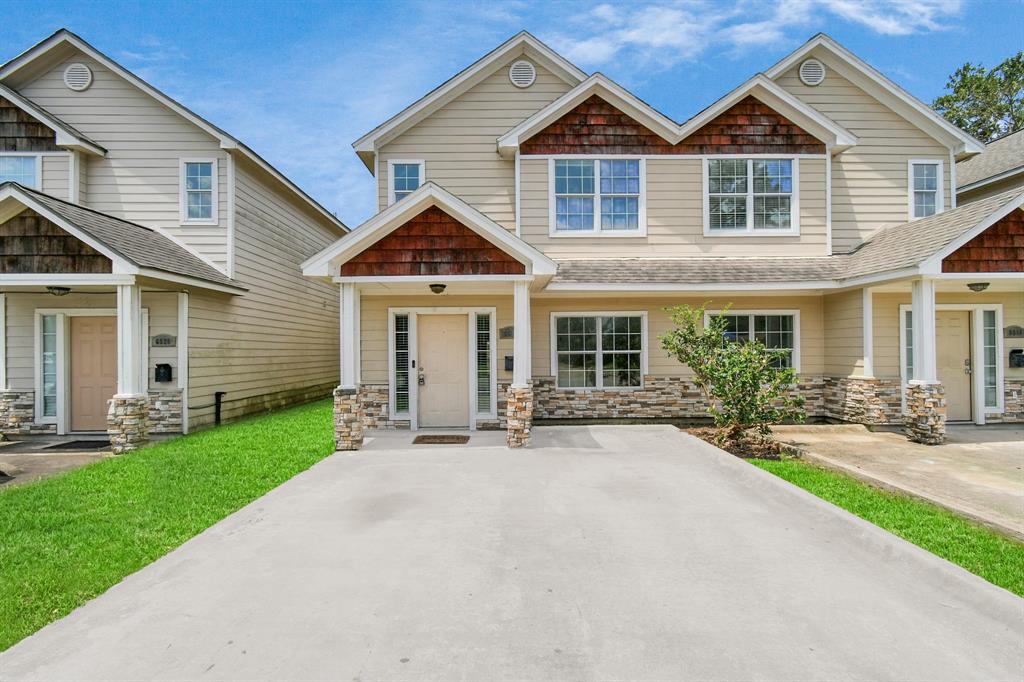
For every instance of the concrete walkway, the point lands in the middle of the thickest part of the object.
(601, 553)
(978, 473)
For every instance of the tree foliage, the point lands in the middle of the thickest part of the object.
(986, 103)
(743, 383)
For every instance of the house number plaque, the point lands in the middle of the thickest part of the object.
(164, 341)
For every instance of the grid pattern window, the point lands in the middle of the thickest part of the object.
(776, 331)
(20, 169)
(926, 189)
(990, 359)
(199, 190)
(599, 351)
(405, 179)
(401, 364)
(594, 195)
(483, 362)
(750, 195)
(48, 344)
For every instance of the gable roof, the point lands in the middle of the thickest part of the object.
(759, 87)
(66, 135)
(872, 81)
(133, 248)
(1003, 158)
(58, 44)
(324, 264)
(521, 43)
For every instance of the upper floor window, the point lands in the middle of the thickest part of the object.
(750, 196)
(198, 191)
(597, 196)
(21, 169)
(406, 177)
(925, 188)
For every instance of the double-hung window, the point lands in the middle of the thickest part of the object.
(751, 196)
(777, 331)
(592, 196)
(599, 351)
(406, 177)
(20, 168)
(925, 188)
(199, 191)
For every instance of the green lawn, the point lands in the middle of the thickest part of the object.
(994, 557)
(66, 539)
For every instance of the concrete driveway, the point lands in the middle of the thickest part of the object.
(601, 553)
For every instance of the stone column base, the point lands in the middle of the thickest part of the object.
(128, 422)
(519, 416)
(925, 420)
(348, 419)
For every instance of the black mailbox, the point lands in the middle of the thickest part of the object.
(163, 373)
(1017, 357)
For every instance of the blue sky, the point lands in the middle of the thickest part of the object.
(300, 81)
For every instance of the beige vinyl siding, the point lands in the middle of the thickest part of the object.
(56, 178)
(869, 182)
(675, 216)
(21, 342)
(277, 343)
(139, 178)
(1014, 182)
(844, 336)
(459, 141)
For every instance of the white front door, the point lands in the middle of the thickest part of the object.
(953, 361)
(443, 357)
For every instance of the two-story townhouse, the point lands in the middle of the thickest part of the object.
(536, 221)
(149, 261)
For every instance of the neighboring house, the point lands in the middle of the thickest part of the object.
(535, 221)
(997, 169)
(146, 256)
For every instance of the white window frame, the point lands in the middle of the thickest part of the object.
(183, 193)
(708, 314)
(39, 165)
(642, 314)
(794, 228)
(391, 174)
(940, 194)
(596, 230)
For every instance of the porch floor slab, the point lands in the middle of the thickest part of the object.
(978, 472)
(33, 457)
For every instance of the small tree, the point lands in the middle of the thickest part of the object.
(745, 385)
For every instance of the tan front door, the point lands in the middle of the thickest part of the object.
(443, 359)
(93, 370)
(953, 357)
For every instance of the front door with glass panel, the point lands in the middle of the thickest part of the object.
(443, 371)
(953, 361)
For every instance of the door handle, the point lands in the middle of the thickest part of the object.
(967, 366)
(421, 380)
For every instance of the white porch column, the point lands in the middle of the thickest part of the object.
(925, 419)
(521, 369)
(129, 340)
(923, 316)
(349, 335)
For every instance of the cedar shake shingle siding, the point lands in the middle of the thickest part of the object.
(20, 132)
(1000, 248)
(432, 243)
(29, 243)
(597, 127)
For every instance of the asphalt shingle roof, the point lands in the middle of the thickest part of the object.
(1004, 154)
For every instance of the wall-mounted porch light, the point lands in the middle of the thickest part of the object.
(978, 286)
(438, 288)
(59, 291)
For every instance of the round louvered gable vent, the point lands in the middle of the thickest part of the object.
(77, 76)
(812, 72)
(522, 74)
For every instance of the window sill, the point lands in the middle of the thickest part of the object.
(582, 389)
(599, 234)
(192, 223)
(751, 233)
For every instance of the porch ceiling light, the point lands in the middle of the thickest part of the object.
(439, 288)
(978, 286)
(59, 291)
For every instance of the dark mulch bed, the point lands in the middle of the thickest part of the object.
(747, 447)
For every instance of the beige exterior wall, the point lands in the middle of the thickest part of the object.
(139, 178)
(675, 216)
(56, 175)
(869, 182)
(1016, 182)
(844, 334)
(459, 141)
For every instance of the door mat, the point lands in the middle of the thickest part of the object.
(4, 478)
(85, 445)
(440, 440)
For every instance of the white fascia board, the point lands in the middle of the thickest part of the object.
(64, 279)
(190, 281)
(862, 74)
(672, 287)
(933, 265)
(998, 177)
(522, 42)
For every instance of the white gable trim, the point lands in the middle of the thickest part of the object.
(65, 136)
(521, 43)
(863, 75)
(327, 262)
(933, 264)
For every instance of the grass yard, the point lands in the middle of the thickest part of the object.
(984, 552)
(67, 539)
